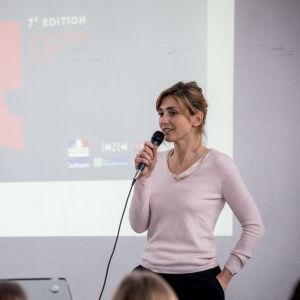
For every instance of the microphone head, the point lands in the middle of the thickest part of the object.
(157, 138)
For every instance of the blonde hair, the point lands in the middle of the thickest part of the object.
(190, 98)
(144, 285)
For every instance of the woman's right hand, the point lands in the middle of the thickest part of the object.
(147, 156)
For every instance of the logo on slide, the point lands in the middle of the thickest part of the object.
(78, 153)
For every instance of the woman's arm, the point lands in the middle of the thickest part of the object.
(244, 208)
(139, 212)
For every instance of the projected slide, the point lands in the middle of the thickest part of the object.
(78, 85)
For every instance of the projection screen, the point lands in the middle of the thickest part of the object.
(78, 85)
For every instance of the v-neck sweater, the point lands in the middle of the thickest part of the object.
(180, 212)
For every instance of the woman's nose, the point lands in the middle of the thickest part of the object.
(164, 119)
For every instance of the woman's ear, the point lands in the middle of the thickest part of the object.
(197, 119)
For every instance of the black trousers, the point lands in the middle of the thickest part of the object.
(194, 286)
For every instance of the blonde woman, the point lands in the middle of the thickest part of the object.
(144, 286)
(179, 197)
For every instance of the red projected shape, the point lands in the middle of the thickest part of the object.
(11, 127)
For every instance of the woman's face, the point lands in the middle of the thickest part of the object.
(173, 122)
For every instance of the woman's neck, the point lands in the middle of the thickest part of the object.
(188, 149)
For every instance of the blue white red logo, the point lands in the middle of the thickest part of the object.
(78, 153)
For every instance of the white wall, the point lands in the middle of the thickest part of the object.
(266, 119)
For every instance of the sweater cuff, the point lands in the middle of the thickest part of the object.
(234, 264)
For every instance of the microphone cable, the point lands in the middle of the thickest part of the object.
(116, 240)
(156, 139)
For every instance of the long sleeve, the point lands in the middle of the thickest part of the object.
(244, 208)
(139, 212)
(180, 213)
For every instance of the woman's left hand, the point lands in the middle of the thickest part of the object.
(224, 278)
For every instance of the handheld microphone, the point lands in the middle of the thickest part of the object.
(156, 140)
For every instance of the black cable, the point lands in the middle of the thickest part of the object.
(117, 237)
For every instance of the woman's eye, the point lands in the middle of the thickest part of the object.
(173, 113)
(160, 114)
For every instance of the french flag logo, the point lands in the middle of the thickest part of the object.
(78, 153)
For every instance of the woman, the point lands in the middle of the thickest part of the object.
(179, 197)
(146, 286)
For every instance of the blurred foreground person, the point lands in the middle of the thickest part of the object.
(11, 291)
(296, 292)
(144, 285)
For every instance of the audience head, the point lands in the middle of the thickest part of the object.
(11, 291)
(144, 285)
(296, 292)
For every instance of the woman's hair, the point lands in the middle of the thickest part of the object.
(142, 285)
(11, 291)
(189, 97)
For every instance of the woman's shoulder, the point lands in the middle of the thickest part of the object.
(222, 160)
(218, 155)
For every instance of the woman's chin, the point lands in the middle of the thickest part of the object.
(168, 139)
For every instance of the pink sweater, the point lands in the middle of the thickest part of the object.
(180, 213)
